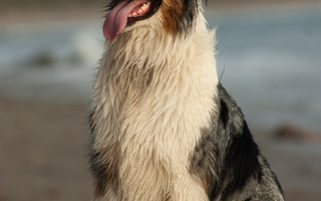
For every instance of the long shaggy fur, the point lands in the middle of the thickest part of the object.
(163, 129)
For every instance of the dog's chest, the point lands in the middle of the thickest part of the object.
(159, 128)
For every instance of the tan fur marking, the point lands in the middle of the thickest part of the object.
(172, 11)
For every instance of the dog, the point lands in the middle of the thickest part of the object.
(162, 126)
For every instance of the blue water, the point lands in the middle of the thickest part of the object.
(270, 60)
(271, 63)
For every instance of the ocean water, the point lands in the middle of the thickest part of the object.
(269, 60)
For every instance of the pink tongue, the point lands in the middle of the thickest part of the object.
(116, 20)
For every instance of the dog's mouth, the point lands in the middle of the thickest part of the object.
(126, 13)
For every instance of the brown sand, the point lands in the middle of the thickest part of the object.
(43, 152)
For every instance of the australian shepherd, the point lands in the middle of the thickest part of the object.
(162, 126)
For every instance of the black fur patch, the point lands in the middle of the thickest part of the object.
(227, 156)
(190, 10)
(204, 163)
(241, 160)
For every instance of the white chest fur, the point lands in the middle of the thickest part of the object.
(153, 105)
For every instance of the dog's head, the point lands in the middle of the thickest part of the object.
(173, 16)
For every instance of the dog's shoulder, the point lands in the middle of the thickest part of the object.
(227, 158)
(241, 157)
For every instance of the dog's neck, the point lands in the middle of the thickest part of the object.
(147, 65)
(153, 47)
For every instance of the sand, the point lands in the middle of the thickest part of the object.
(43, 152)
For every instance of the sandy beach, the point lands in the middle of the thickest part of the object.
(43, 152)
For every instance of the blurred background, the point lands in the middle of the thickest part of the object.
(269, 58)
